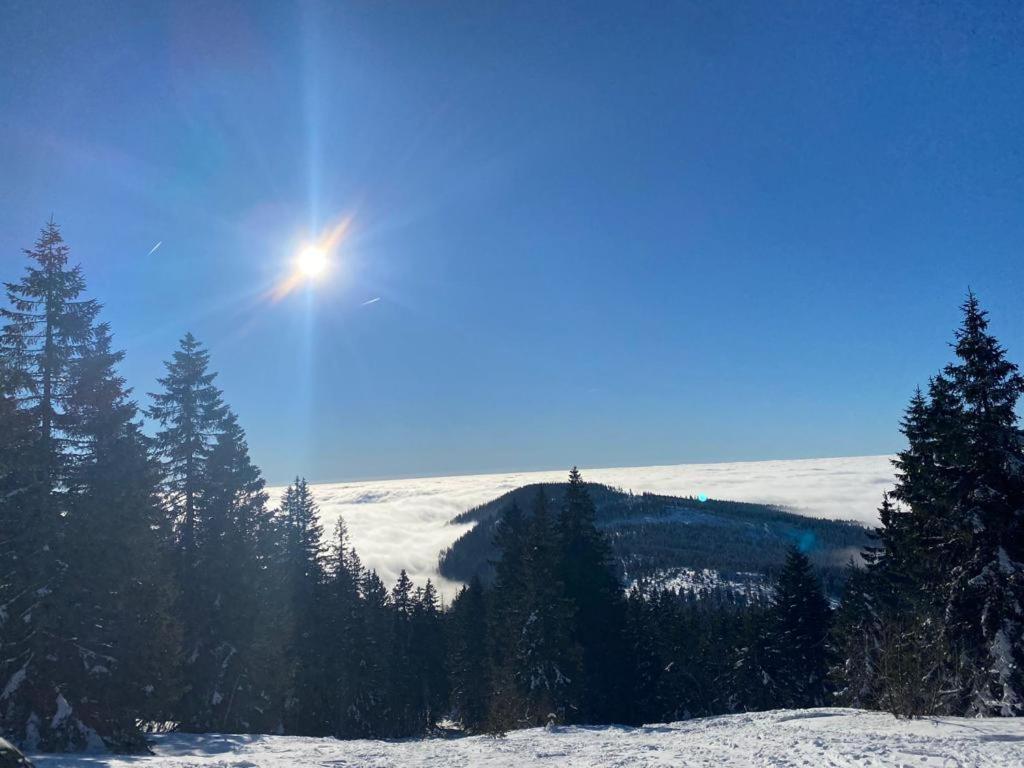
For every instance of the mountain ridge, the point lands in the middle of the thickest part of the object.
(658, 539)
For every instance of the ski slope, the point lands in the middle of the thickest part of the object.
(815, 738)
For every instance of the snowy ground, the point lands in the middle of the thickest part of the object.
(814, 738)
(695, 580)
(399, 524)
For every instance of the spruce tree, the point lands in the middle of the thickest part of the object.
(856, 638)
(799, 633)
(376, 670)
(951, 583)
(404, 694)
(430, 657)
(545, 658)
(127, 638)
(229, 591)
(645, 676)
(758, 675)
(508, 601)
(191, 414)
(598, 609)
(47, 328)
(23, 538)
(985, 608)
(470, 657)
(344, 629)
(308, 701)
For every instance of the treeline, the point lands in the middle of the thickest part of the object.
(652, 535)
(556, 639)
(145, 581)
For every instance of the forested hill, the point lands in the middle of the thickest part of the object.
(676, 541)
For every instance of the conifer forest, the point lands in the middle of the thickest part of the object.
(147, 583)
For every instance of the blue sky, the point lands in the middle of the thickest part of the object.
(601, 233)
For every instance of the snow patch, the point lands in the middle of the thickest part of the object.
(697, 581)
(816, 737)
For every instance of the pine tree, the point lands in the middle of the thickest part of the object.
(641, 639)
(430, 657)
(122, 606)
(598, 618)
(508, 599)
(215, 498)
(345, 628)
(470, 657)
(191, 413)
(63, 678)
(23, 536)
(757, 678)
(856, 638)
(799, 632)
(48, 327)
(403, 683)
(376, 670)
(950, 581)
(229, 590)
(985, 609)
(546, 661)
(309, 699)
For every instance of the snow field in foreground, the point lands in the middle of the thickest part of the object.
(814, 738)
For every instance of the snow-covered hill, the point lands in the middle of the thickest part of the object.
(814, 738)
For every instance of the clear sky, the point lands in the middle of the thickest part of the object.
(601, 233)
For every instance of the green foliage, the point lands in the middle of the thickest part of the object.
(84, 572)
(941, 612)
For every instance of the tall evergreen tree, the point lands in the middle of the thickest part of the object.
(228, 590)
(598, 618)
(985, 608)
(856, 638)
(508, 601)
(344, 629)
(47, 328)
(641, 639)
(376, 670)
(470, 657)
(949, 567)
(430, 657)
(24, 577)
(215, 498)
(799, 632)
(64, 669)
(545, 657)
(309, 698)
(403, 683)
(191, 413)
(127, 638)
(757, 678)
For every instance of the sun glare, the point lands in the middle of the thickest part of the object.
(312, 261)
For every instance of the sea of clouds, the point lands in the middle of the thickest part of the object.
(398, 524)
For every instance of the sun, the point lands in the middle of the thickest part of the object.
(312, 261)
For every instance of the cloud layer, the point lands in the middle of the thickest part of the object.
(398, 524)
